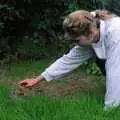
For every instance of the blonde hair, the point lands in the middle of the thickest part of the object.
(79, 22)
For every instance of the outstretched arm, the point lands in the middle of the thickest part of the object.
(61, 67)
(67, 63)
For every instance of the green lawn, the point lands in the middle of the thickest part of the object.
(81, 106)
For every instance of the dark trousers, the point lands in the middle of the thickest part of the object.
(101, 64)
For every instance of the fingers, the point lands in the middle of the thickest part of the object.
(22, 84)
(29, 86)
(27, 83)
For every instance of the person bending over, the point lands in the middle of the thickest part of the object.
(97, 35)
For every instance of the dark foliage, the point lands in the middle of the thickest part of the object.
(36, 26)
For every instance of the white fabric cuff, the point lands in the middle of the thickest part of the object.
(47, 76)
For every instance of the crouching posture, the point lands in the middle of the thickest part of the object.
(96, 31)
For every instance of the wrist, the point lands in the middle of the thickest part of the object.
(39, 78)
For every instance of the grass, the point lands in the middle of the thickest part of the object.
(83, 106)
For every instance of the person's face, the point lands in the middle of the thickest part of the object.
(86, 40)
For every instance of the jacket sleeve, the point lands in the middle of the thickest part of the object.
(68, 62)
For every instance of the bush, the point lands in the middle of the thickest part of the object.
(92, 68)
(24, 18)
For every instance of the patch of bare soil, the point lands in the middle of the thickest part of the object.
(64, 87)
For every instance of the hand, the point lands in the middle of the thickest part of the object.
(28, 83)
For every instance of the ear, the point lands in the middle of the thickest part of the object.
(93, 29)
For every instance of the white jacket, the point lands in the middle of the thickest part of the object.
(108, 48)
